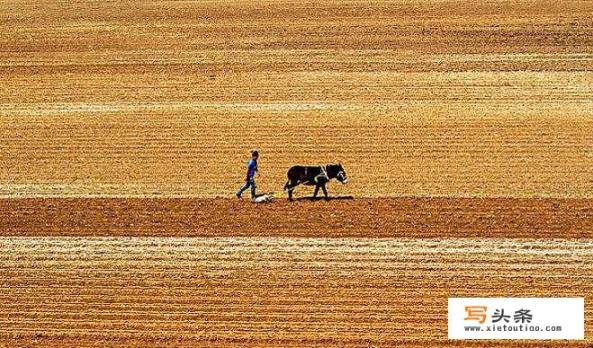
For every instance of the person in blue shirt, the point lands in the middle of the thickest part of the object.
(250, 179)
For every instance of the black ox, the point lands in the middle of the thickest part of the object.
(317, 176)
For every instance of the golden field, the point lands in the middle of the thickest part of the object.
(415, 98)
(465, 127)
(269, 291)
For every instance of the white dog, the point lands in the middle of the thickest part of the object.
(265, 198)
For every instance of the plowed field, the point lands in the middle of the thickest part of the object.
(415, 98)
(385, 218)
(143, 100)
(269, 291)
(249, 281)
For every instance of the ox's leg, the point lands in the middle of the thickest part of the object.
(316, 191)
(324, 191)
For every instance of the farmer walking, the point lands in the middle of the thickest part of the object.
(250, 178)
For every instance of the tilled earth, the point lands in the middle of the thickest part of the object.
(384, 217)
(164, 99)
(415, 98)
(227, 272)
(102, 291)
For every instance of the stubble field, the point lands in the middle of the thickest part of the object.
(269, 291)
(415, 98)
(125, 126)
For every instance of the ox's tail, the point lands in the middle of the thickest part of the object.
(287, 185)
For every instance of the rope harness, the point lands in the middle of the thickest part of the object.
(323, 174)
